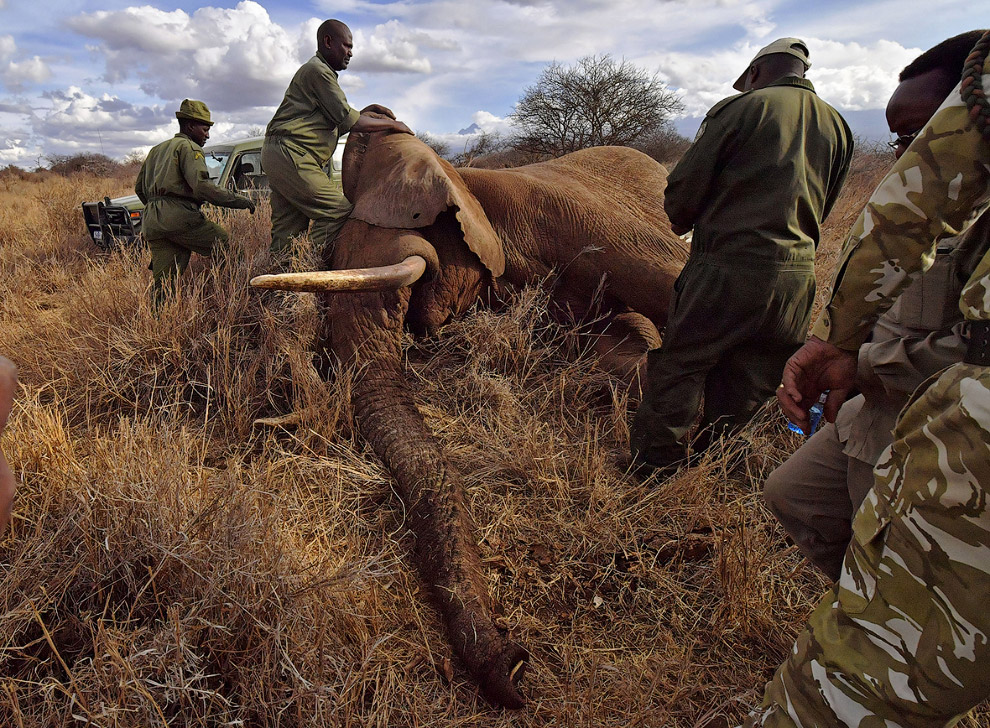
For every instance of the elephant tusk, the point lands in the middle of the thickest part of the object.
(385, 278)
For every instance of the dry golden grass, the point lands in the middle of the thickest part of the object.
(169, 563)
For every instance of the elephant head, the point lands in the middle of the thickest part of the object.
(416, 250)
(423, 244)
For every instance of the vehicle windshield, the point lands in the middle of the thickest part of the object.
(216, 160)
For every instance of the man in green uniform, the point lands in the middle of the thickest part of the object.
(763, 172)
(816, 492)
(904, 637)
(173, 183)
(302, 136)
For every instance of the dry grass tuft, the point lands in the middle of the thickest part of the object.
(170, 563)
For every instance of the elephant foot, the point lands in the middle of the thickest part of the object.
(622, 345)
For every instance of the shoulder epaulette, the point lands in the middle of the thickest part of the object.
(725, 102)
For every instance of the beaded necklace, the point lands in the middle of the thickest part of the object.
(972, 89)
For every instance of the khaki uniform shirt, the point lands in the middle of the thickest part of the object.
(177, 169)
(918, 204)
(921, 334)
(764, 171)
(314, 111)
(174, 182)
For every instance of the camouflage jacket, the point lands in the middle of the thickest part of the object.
(919, 202)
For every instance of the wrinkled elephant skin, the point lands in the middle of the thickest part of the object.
(595, 217)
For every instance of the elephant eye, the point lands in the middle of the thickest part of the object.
(415, 215)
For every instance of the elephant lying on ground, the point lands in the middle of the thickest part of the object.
(437, 240)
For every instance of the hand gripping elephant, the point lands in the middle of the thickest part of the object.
(423, 244)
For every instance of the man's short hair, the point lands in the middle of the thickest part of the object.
(948, 56)
(334, 28)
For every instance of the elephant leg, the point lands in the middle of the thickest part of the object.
(620, 340)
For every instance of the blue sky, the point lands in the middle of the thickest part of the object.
(107, 76)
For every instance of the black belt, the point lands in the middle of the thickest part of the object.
(155, 198)
(978, 350)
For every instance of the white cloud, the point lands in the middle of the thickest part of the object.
(481, 122)
(435, 62)
(16, 74)
(856, 77)
(393, 47)
(234, 58)
(850, 76)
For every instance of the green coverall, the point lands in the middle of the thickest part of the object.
(173, 183)
(299, 141)
(904, 638)
(763, 172)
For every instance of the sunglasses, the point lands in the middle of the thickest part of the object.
(904, 140)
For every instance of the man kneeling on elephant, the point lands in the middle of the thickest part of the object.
(302, 136)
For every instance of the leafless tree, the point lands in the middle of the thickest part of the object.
(69, 164)
(665, 145)
(438, 145)
(478, 146)
(598, 101)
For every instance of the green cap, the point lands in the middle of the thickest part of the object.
(194, 110)
(791, 46)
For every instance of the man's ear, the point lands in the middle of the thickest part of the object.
(754, 74)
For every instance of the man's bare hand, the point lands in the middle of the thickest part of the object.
(378, 109)
(371, 124)
(815, 367)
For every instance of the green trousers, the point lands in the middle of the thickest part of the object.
(301, 191)
(902, 639)
(729, 333)
(173, 232)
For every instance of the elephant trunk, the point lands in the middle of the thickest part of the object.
(447, 553)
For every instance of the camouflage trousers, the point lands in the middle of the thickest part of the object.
(902, 639)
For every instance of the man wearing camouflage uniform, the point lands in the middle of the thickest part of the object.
(902, 639)
(173, 183)
(302, 136)
(816, 492)
(763, 172)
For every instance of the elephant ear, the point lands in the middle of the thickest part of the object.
(396, 181)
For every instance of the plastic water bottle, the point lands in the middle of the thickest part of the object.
(814, 416)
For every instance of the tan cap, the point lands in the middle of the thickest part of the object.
(194, 110)
(791, 46)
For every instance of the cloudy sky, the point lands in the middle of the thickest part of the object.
(107, 75)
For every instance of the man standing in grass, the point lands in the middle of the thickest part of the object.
(764, 171)
(173, 183)
(302, 136)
